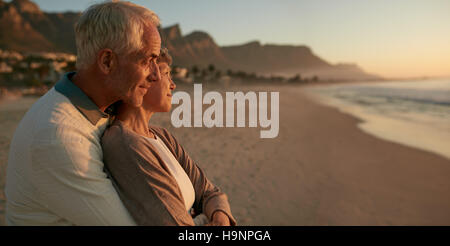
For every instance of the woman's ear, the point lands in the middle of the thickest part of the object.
(106, 60)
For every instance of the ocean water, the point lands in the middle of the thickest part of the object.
(412, 113)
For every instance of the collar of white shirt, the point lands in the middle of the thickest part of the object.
(79, 99)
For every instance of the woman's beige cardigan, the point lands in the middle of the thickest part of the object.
(145, 185)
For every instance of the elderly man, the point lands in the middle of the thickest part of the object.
(55, 171)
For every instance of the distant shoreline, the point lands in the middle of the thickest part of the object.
(384, 125)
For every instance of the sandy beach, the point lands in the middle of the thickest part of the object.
(320, 170)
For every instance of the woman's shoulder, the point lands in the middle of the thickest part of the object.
(118, 134)
(115, 130)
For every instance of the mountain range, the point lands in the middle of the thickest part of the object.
(25, 28)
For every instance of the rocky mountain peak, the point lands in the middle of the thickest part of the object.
(198, 36)
(253, 44)
(26, 6)
(171, 32)
(25, 28)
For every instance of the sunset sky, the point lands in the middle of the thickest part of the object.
(400, 38)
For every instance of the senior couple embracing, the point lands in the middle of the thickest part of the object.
(85, 153)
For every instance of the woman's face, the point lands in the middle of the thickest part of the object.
(159, 95)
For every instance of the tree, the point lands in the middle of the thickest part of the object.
(211, 68)
(204, 73)
(71, 66)
(241, 74)
(33, 82)
(43, 71)
(195, 70)
(296, 78)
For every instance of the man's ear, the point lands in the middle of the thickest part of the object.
(106, 60)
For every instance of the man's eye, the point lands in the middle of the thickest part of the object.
(149, 61)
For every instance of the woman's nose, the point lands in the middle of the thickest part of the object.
(172, 85)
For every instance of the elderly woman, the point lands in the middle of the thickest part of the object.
(156, 179)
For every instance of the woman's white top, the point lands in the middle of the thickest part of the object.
(177, 171)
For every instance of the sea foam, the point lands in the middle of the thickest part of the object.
(412, 113)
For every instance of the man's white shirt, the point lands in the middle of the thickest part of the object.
(55, 170)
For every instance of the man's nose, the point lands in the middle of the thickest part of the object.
(155, 74)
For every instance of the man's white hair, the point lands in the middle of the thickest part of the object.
(116, 25)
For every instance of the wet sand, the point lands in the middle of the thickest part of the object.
(320, 170)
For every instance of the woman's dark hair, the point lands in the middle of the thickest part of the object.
(164, 56)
